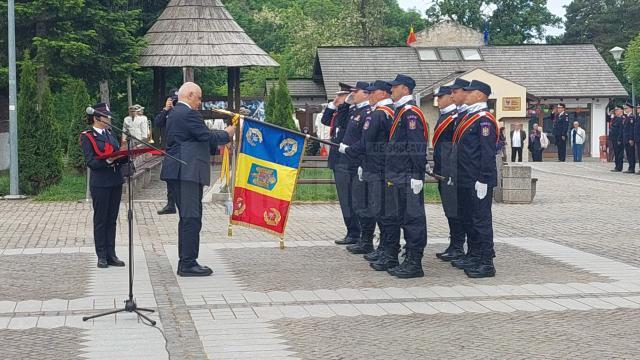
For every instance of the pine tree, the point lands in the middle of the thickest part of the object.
(270, 103)
(40, 162)
(72, 102)
(283, 107)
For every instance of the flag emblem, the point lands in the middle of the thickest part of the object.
(240, 206)
(272, 217)
(263, 177)
(254, 136)
(289, 147)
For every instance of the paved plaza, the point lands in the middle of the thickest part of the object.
(567, 284)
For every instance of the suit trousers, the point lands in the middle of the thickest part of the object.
(618, 154)
(403, 210)
(106, 205)
(188, 198)
(477, 221)
(345, 180)
(369, 203)
(562, 147)
(631, 155)
(516, 151)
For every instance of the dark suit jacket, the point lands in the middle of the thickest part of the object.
(523, 137)
(189, 139)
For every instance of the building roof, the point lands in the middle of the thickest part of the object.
(200, 33)
(301, 87)
(545, 70)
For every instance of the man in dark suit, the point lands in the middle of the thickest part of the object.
(189, 139)
(560, 129)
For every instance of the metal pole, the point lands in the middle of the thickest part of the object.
(633, 96)
(129, 95)
(13, 114)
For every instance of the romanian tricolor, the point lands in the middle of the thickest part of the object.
(266, 172)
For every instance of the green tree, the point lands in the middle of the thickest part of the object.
(40, 155)
(510, 21)
(270, 102)
(632, 61)
(283, 107)
(71, 105)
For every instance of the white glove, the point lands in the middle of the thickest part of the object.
(481, 190)
(343, 148)
(360, 171)
(428, 168)
(416, 186)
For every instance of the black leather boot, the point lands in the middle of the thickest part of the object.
(387, 260)
(467, 262)
(364, 246)
(451, 254)
(410, 268)
(484, 269)
(168, 209)
(375, 255)
(347, 240)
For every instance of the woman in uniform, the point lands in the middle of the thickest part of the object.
(106, 182)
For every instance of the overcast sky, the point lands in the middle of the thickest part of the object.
(555, 6)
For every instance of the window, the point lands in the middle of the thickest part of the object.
(449, 54)
(470, 54)
(427, 54)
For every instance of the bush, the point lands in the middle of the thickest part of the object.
(282, 105)
(71, 104)
(40, 156)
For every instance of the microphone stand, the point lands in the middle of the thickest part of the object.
(130, 304)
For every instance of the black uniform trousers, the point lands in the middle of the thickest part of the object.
(188, 197)
(106, 205)
(457, 236)
(345, 180)
(562, 147)
(618, 154)
(631, 155)
(476, 219)
(368, 202)
(403, 210)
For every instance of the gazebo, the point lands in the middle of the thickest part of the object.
(200, 33)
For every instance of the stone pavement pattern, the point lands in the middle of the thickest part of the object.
(568, 284)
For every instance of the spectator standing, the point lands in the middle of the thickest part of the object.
(135, 124)
(535, 143)
(518, 137)
(577, 141)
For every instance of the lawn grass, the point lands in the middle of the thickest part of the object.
(71, 187)
(309, 192)
(4, 183)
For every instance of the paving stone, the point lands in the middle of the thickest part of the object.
(571, 304)
(522, 305)
(344, 309)
(621, 302)
(446, 307)
(370, 309)
(470, 306)
(420, 307)
(293, 311)
(495, 305)
(546, 304)
(40, 343)
(395, 308)
(319, 310)
(597, 303)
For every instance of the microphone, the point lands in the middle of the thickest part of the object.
(92, 111)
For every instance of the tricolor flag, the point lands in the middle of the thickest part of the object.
(412, 37)
(266, 172)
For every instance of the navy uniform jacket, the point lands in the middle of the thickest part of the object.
(353, 134)
(103, 174)
(375, 135)
(340, 118)
(406, 152)
(475, 143)
(561, 125)
(442, 138)
(189, 139)
(628, 128)
(160, 121)
(615, 130)
(636, 124)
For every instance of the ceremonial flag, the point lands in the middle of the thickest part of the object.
(412, 37)
(266, 172)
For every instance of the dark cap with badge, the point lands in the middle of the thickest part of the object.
(380, 85)
(102, 108)
(361, 85)
(628, 105)
(344, 89)
(480, 86)
(405, 80)
(442, 90)
(459, 84)
(618, 107)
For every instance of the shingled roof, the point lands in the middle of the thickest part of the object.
(200, 33)
(545, 70)
(301, 87)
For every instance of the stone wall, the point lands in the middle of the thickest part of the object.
(447, 34)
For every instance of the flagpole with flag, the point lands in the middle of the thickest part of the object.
(412, 37)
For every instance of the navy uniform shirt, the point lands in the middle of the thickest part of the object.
(443, 135)
(375, 135)
(406, 152)
(475, 142)
(615, 130)
(561, 125)
(353, 133)
(103, 174)
(337, 119)
(628, 127)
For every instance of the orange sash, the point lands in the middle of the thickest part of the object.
(441, 128)
(466, 124)
(420, 114)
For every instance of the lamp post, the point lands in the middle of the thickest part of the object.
(13, 112)
(617, 56)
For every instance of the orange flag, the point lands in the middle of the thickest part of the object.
(412, 37)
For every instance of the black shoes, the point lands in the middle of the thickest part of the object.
(630, 171)
(373, 256)
(386, 261)
(195, 270)
(114, 261)
(347, 240)
(484, 269)
(363, 246)
(450, 255)
(103, 264)
(167, 210)
(616, 170)
(466, 263)
(410, 268)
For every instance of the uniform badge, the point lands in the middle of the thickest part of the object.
(272, 216)
(485, 130)
(254, 136)
(356, 118)
(289, 147)
(412, 124)
(366, 125)
(239, 206)
(263, 177)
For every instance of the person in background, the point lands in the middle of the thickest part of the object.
(135, 124)
(577, 141)
(535, 143)
(160, 122)
(518, 137)
(560, 130)
(501, 146)
(636, 136)
(628, 139)
(615, 137)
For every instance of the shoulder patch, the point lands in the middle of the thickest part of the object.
(485, 129)
(366, 124)
(412, 122)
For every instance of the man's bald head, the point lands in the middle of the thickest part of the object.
(191, 94)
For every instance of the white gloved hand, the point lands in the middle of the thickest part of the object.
(416, 186)
(481, 190)
(428, 168)
(343, 148)
(360, 171)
